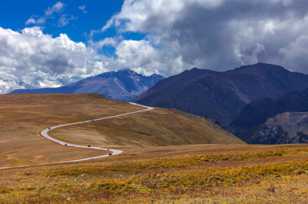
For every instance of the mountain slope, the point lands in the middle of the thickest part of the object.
(222, 95)
(284, 128)
(120, 85)
(24, 116)
(159, 127)
(248, 123)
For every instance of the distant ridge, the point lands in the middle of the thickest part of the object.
(118, 85)
(221, 96)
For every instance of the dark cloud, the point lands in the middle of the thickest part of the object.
(222, 34)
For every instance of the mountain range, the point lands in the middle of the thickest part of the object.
(258, 103)
(221, 96)
(118, 85)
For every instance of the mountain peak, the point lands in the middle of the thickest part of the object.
(264, 64)
(268, 66)
(123, 84)
(156, 76)
(259, 68)
(221, 95)
(127, 71)
(120, 71)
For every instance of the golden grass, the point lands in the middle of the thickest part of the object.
(156, 128)
(24, 116)
(238, 174)
(147, 172)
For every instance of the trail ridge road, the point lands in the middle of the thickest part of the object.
(44, 133)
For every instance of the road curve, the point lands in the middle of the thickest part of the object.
(44, 133)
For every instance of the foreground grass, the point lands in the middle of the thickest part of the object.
(260, 175)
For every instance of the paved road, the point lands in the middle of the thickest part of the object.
(44, 133)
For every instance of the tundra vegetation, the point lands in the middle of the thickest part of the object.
(175, 174)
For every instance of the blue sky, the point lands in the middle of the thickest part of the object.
(95, 13)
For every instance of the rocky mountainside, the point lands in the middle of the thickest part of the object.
(120, 85)
(254, 123)
(221, 96)
(284, 128)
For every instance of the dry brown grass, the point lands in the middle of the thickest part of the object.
(147, 172)
(158, 128)
(177, 174)
(22, 117)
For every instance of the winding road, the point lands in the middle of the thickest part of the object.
(111, 152)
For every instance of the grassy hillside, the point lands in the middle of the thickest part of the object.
(24, 116)
(149, 171)
(174, 174)
(159, 127)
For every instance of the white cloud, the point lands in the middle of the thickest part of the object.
(50, 13)
(31, 58)
(109, 41)
(31, 21)
(64, 20)
(56, 8)
(137, 55)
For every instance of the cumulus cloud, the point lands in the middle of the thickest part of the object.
(218, 34)
(31, 58)
(142, 53)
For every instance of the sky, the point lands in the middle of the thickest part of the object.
(73, 17)
(51, 43)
